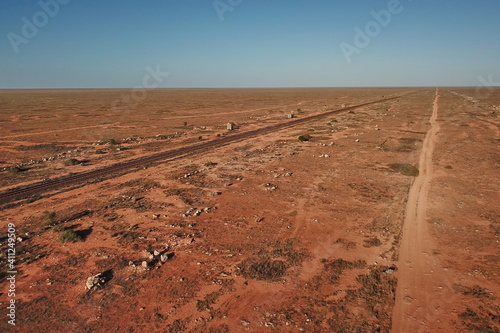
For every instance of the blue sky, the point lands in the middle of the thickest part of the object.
(259, 43)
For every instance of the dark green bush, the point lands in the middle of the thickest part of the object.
(71, 161)
(410, 170)
(304, 137)
(49, 217)
(69, 236)
(57, 228)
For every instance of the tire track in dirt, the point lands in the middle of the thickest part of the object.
(58, 131)
(414, 290)
(234, 112)
(117, 124)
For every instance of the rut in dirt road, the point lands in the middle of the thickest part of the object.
(414, 294)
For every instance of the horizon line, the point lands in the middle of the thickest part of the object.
(227, 88)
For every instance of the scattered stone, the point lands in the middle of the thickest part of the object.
(96, 281)
(166, 256)
(390, 270)
(188, 213)
(245, 323)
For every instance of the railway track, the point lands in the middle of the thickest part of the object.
(25, 192)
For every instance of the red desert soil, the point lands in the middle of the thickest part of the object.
(415, 297)
(386, 220)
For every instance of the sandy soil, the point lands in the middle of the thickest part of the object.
(270, 234)
(413, 293)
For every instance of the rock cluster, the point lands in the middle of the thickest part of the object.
(97, 281)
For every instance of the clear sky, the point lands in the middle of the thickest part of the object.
(247, 43)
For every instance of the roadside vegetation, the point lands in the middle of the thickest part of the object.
(69, 236)
(49, 217)
(304, 137)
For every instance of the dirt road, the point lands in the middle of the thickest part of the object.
(414, 292)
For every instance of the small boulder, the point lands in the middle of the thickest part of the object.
(166, 256)
(97, 281)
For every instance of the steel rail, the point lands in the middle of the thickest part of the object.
(25, 192)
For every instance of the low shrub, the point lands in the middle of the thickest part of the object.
(263, 269)
(304, 137)
(410, 170)
(71, 161)
(49, 217)
(15, 169)
(69, 236)
(57, 228)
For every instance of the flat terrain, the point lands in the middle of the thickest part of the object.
(387, 219)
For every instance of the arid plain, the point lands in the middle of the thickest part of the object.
(385, 220)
